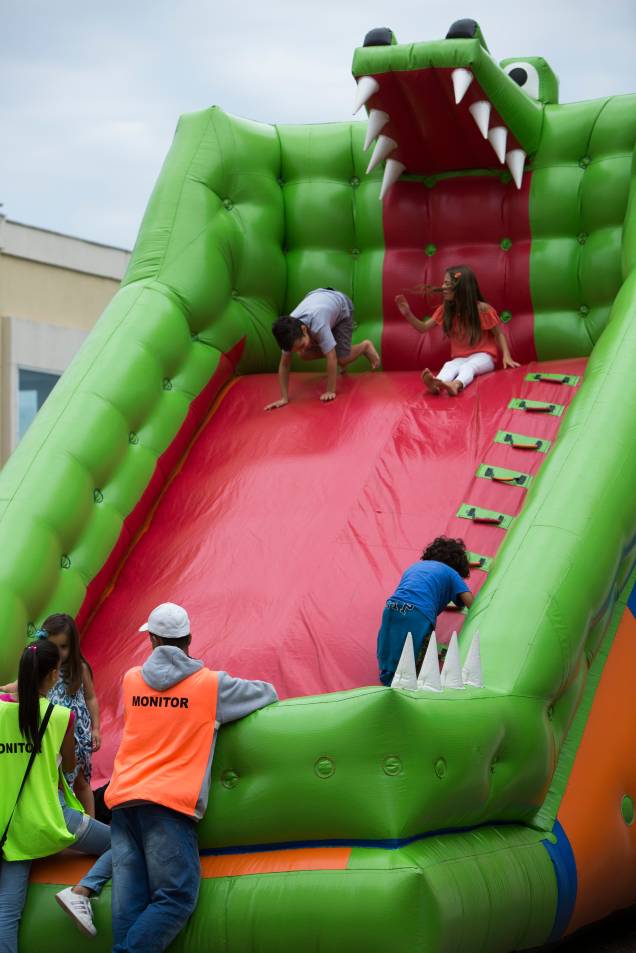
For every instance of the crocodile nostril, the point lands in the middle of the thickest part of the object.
(380, 36)
(463, 30)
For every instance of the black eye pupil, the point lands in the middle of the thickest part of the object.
(519, 74)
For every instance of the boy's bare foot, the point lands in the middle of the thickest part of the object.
(371, 355)
(452, 388)
(431, 383)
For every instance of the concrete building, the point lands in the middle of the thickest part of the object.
(53, 289)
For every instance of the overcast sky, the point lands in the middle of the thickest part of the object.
(90, 93)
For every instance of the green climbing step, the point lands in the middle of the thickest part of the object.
(502, 475)
(536, 406)
(570, 379)
(479, 515)
(521, 441)
(477, 561)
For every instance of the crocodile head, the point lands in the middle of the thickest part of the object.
(447, 106)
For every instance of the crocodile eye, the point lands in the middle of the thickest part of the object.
(525, 75)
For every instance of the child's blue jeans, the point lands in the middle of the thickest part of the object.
(156, 876)
(91, 838)
(398, 619)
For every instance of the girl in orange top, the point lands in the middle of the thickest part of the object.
(473, 327)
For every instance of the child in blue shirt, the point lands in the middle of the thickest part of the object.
(424, 590)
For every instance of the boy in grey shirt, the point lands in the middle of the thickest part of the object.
(320, 326)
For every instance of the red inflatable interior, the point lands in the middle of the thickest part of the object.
(284, 533)
(443, 136)
(432, 224)
(492, 234)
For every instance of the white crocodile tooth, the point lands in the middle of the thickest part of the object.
(377, 121)
(480, 111)
(462, 78)
(471, 672)
(497, 137)
(392, 172)
(383, 149)
(452, 671)
(405, 673)
(429, 679)
(515, 160)
(367, 87)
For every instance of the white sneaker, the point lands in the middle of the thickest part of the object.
(79, 910)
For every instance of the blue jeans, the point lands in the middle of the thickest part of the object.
(398, 619)
(156, 875)
(91, 838)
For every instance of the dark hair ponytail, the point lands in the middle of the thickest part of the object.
(465, 305)
(38, 660)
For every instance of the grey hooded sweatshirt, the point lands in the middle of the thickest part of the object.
(238, 697)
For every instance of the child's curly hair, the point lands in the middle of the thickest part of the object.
(449, 551)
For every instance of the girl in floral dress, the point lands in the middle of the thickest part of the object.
(75, 690)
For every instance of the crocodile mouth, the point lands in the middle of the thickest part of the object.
(432, 121)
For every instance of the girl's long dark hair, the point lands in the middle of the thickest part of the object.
(465, 305)
(38, 660)
(57, 624)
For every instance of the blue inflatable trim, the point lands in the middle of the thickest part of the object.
(385, 844)
(631, 602)
(562, 858)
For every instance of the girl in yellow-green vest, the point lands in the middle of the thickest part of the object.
(44, 817)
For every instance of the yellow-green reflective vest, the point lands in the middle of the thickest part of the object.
(37, 828)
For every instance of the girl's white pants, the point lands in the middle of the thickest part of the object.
(464, 369)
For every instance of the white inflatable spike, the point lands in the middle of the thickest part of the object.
(452, 671)
(471, 672)
(515, 160)
(392, 172)
(462, 78)
(480, 111)
(377, 121)
(383, 149)
(429, 678)
(405, 674)
(497, 137)
(367, 87)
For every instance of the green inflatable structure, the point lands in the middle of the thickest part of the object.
(494, 814)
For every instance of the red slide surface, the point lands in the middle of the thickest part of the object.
(284, 533)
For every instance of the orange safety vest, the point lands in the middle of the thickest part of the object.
(166, 743)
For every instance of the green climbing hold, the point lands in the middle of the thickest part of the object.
(627, 809)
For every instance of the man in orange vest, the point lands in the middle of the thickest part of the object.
(173, 707)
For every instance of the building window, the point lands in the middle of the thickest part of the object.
(33, 389)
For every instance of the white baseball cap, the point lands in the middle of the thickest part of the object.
(169, 621)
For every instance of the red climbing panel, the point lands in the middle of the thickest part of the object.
(417, 220)
(284, 533)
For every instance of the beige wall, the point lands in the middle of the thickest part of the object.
(33, 346)
(39, 292)
(53, 288)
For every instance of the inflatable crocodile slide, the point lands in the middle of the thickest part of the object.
(494, 812)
